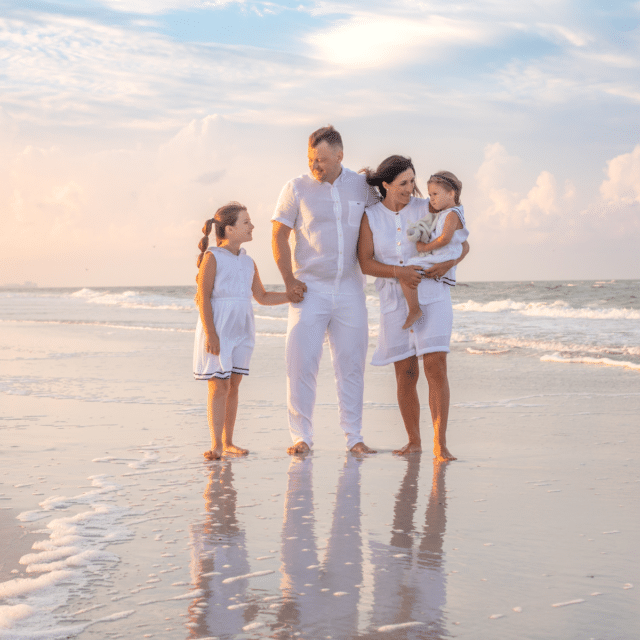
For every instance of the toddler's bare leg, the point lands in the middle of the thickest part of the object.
(415, 312)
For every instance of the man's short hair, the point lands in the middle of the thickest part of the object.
(327, 134)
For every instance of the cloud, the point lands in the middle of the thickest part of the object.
(504, 206)
(163, 6)
(377, 41)
(623, 179)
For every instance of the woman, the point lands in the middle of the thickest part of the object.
(383, 251)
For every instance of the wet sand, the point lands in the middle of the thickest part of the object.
(531, 533)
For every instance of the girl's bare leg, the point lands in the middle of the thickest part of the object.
(435, 368)
(407, 373)
(231, 411)
(216, 409)
(415, 312)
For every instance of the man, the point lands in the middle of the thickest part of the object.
(323, 277)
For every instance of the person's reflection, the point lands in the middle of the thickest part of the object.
(218, 552)
(409, 582)
(320, 598)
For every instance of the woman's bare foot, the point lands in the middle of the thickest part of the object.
(298, 447)
(412, 318)
(410, 447)
(239, 451)
(360, 447)
(442, 454)
(213, 454)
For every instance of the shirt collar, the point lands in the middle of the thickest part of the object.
(338, 179)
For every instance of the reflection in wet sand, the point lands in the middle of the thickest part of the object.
(320, 598)
(409, 582)
(324, 590)
(219, 551)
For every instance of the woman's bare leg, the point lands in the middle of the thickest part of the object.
(435, 368)
(216, 409)
(231, 411)
(407, 373)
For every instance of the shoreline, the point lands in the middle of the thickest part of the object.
(541, 498)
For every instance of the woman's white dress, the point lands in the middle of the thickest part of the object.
(232, 318)
(432, 333)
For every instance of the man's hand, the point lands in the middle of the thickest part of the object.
(295, 290)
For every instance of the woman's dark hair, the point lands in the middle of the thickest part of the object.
(225, 216)
(388, 170)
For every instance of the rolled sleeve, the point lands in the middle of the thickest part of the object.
(288, 208)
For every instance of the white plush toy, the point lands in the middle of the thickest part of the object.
(421, 230)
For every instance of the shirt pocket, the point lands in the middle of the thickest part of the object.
(356, 209)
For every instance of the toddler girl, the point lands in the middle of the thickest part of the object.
(444, 202)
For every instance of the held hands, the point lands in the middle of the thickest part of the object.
(212, 344)
(295, 290)
(409, 275)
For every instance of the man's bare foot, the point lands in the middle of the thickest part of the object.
(298, 447)
(360, 448)
(239, 451)
(410, 447)
(213, 454)
(412, 318)
(442, 454)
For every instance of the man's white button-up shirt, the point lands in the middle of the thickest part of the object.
(326, 219)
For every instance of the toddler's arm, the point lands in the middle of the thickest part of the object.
(206, 278)
(451, 224)
(269, 298)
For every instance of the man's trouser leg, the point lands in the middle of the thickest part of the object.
(349, 337)
(305, 335)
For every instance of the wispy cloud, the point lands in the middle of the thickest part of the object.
(374, 41)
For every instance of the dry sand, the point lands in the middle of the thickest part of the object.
(531, 533)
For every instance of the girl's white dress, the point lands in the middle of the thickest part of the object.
(232, 318)
(432, 332)
(451, 251)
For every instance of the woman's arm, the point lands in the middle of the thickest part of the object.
(451, 224)
(269, 298)
(410, 275)
(206, 278)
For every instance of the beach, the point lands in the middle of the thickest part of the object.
(113, 526)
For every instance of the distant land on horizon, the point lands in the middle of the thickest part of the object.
(14, 285)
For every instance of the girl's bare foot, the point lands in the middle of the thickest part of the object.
(442, 454)
(213, 454)
(298, 447)
(412, 318)
(410, 447)
(239, 451)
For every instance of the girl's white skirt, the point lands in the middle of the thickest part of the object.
(233, 319)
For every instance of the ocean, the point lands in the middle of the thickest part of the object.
(113, 526)
(585, 322)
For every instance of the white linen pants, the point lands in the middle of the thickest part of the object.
(344, 318)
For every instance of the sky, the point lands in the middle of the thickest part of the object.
(124, 125)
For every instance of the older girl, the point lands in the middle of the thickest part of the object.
(225, 334)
